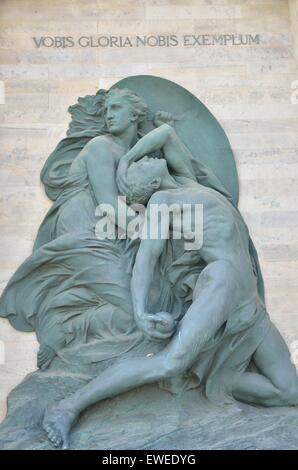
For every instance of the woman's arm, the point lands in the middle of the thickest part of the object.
(101, 168)
(164, 137)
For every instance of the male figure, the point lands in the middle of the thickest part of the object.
(225, 300)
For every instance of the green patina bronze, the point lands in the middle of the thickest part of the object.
(137, 312)
(194, 124)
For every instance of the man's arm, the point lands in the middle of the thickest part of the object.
(150, 324)
(143, 272)
(146, 260)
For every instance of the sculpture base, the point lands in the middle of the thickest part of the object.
(145, 418)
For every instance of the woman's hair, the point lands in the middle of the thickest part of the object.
(136, 102)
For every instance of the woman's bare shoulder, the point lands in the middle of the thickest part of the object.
(100, 141)
(100, 147)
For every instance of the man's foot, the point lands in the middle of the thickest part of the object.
(45, 356)
(57, 422)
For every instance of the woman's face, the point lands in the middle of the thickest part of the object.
(118, 115)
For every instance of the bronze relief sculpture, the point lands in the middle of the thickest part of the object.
(133, 310)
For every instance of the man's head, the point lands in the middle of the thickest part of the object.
(123, 107)
(144, 178)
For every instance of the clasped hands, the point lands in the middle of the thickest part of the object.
(158, 326)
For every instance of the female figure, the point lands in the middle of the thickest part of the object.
(75, 285)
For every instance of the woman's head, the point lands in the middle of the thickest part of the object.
(123, 107)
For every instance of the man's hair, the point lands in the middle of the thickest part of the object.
(139, 192)
(136, 102)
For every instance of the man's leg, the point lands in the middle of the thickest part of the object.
(215, 295)
(119, 378)
(277, 382)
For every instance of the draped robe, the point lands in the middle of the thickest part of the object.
(74, 290)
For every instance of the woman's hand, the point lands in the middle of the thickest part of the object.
(163, 117)
(158, 326)
(121, 176)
